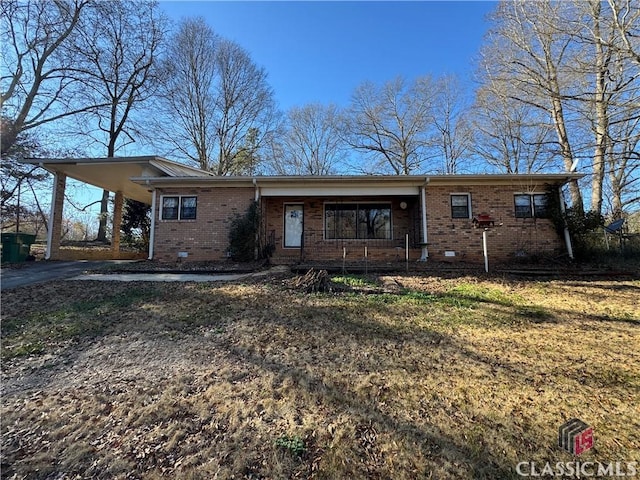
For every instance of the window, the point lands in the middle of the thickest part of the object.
(187, 208)
(540, 208)
(179, 208)
(531, 205)
(361, 221)
(460, 205)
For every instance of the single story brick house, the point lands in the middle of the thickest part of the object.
(324, 218)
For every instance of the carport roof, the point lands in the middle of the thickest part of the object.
(115, 173)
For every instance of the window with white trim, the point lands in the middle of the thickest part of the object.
(357, 220)
(531, 205)
(177, 207)
(460, 205)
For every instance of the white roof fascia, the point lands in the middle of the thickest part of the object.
(338, 190)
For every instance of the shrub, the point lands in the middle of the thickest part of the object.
(243, 235)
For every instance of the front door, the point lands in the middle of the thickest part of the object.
(293, 223)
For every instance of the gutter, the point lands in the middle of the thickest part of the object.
(152, 228)
(567, 235)
(256, 197)
(423, 208)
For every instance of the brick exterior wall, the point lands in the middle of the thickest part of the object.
(71, 254)
(207, 237)
(516, 236)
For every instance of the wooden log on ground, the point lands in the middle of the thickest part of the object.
(313, 281)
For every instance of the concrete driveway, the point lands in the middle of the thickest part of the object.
(38, 272)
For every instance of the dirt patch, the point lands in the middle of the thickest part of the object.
(436, 377)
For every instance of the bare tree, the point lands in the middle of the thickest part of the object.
(312, 143)
(609, 107)
(118, 48)
(528, 49)
(511, 136)
(454, 137)
(392, 123)
(37, 79)
(219, 100)
(244, 106)
(188, 94)
(19, 181)
(625, 15)
(623, 167)
(574, 60)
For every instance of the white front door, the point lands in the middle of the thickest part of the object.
(293, 222)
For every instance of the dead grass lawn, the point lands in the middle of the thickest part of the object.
(450, 378)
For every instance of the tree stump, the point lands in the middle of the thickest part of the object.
(313, 281)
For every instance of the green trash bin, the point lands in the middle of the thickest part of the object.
(16, 246)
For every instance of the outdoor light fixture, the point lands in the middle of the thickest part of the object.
(403, 205)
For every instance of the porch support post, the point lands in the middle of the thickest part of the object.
(567, 236)
(152, 228)
(117, 222)
(54, 232)
(423, 208)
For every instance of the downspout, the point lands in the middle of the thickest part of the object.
(152, 232)
(423, 208)
(256, 198)
(567, 236)
(257, 190)
(47, 253)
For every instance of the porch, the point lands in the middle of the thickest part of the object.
(346, 229)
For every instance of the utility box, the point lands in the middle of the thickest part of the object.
(16, 246)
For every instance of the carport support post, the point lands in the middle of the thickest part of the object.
(117, 222)
(54, 232)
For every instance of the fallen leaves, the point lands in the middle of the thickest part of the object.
(419, 376)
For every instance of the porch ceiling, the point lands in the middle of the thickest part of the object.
(115, 174)
(340, 186)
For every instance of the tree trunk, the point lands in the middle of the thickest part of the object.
(104, 216)
(602, 121)
(104, 202)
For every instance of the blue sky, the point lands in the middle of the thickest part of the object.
(320, 51)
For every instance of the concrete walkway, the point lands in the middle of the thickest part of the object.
(178, 277)
(40, 272)
(160, 277)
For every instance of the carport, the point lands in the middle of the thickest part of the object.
(113, 174)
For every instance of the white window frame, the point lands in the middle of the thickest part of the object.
(179, 219)
(368, 202)
(469, 208)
